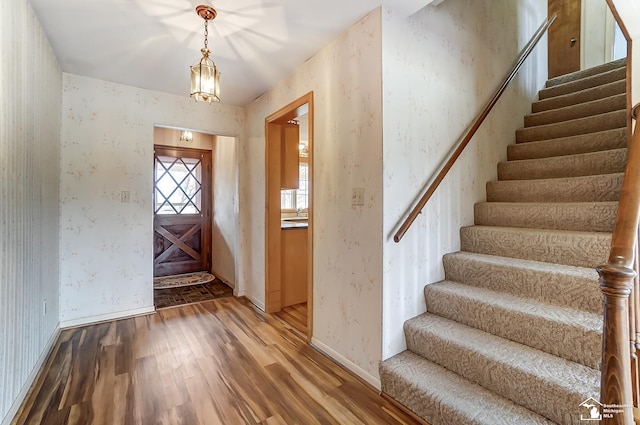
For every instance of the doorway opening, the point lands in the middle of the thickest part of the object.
(186, 237)
(289, 214)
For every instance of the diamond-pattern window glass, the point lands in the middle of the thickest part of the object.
(178, 185)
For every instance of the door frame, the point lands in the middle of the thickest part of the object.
(273, 243)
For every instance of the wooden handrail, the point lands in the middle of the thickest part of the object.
(624, 234)
(616, 284)
(478, 120)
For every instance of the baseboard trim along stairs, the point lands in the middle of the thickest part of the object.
(513, 335)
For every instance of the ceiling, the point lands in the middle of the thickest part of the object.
(151, 43)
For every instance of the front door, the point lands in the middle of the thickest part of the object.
(182, 210)
(564, 37)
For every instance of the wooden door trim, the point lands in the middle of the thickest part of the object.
(273, 245)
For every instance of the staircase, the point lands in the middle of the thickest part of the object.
(513, 335)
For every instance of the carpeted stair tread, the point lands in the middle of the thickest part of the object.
(578, 216)
(581, 249)
(546, 384)
(588, 95)
(577, 75)
(595, 107)
(572, 334)
(442, 397)
(566, 286)
(616, 74)
(592, 124)
(584, 164)
(583, 143)
(598, 188)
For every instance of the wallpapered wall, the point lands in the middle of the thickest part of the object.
(225, 208)
(30, 82)
(345, 78)
(467, 47)
(630, 14)
(106, 259)
(596, 34)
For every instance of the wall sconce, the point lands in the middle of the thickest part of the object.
(205, 78)
(186, 136)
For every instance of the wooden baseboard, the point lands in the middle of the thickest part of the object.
(404, 409)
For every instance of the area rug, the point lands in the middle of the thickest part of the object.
(173, 297)
(187, 279)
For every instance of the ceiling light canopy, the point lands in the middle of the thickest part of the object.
(205, 78)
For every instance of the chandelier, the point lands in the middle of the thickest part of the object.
(205, 78)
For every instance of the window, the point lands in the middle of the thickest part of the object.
(297, 199)
(177, 185)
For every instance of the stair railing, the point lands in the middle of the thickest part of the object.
(478, 120)
(617, 281)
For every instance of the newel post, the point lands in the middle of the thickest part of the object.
(616, 389)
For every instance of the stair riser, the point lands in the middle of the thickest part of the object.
(578, 75)
(552, 333)
(594, 163)
(611, 89)
(602, 122)
(518, 384)
(573, 288)
(609, 104)
(568, 248)
(585, 83)
(592, 142)
(566, 216)
(598, 188)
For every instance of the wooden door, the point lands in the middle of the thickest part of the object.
(564, 37)
(182, 210)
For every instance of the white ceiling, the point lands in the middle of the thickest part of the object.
(151, 43)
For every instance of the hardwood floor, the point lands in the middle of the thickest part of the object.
(216, 362)
(295, 315)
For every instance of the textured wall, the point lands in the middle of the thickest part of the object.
(629, 11)
(596, 33)
(225, 208)
(345, 77)
(106, 257)
(30, 81)
(439, 69)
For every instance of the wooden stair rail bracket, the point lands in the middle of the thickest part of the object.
(616, 282)
(478, 120)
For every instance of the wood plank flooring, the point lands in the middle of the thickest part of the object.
(295, 315)
(216, 362)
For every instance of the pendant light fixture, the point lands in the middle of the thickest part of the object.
(205, 78)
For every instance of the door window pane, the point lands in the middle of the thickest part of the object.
(178, 185)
